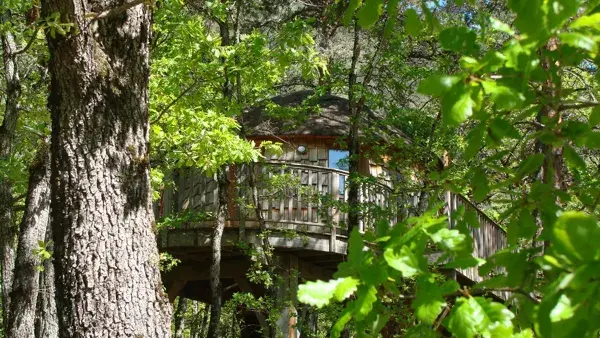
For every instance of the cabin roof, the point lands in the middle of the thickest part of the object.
(326, 115)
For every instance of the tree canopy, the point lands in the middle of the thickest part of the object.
(493, 101)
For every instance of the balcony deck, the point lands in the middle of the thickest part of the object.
(300, 223)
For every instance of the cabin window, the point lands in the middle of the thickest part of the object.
(338, 159)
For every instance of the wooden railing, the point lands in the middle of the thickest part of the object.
(317, 197)
(488, 238)
(315, 204)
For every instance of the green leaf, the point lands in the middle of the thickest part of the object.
(480, 316)
(452, 240)
(501, 26)
(480, 184)
(438, 84)
(531, 164)
(343, 319)
(576, 236)
(594, 118)
(578, 40)
(457, 106)
(320, 293)
(502, 128)
(504, 98)
(404, 261)
(593, 140)
(428, 302)
(530, 17)
(458, 39)
(592, 21)
(563, 309)
(355, 247)
(412, 23)
(353, 5)
(369, 13)
(392, 13)
(573, 158)
(365, 298)
(475, 141)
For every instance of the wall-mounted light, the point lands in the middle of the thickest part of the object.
(301, 150)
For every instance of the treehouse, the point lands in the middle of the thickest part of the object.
(295, 207)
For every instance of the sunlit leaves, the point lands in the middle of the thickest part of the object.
(586, 21)
(320, 293)
(429, 300)
(457, 106)
(438, 84)
(578, 40)
(478, 315)
(403, 259)
(576, 236)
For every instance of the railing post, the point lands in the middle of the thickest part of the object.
(334, 186)
(449, 206)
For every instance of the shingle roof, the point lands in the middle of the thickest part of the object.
(326, 115)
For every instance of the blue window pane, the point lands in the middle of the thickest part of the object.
(338, 159)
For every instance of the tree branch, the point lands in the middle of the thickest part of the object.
(113, 11)
(29, 43)
(578, 105)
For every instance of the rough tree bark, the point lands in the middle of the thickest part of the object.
(106, 259)
(34, 223)
(8, 231)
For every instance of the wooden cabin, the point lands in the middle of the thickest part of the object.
(302, 211)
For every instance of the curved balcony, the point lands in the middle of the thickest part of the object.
(304, 212)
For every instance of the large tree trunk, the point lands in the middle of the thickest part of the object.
(106, 258)
(8, 231)
(215, 268)
(33, 229)
(46, 323)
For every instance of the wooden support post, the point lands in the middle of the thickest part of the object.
(287, 296)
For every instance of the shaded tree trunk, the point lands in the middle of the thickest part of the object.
(215, 268)
(106, 259)
(214, 329)
(35, 221)
(179, 319)
(203, 326)
(353, 137)
(8, 231)
(46, 324)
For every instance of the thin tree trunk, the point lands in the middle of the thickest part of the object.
(214, 329)
(215, 268)
(179, 319)
(34, 223)
(205, 322)
(106, 257)
(553, 169)
(353, 137)
(46, 324)
(8, 231)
